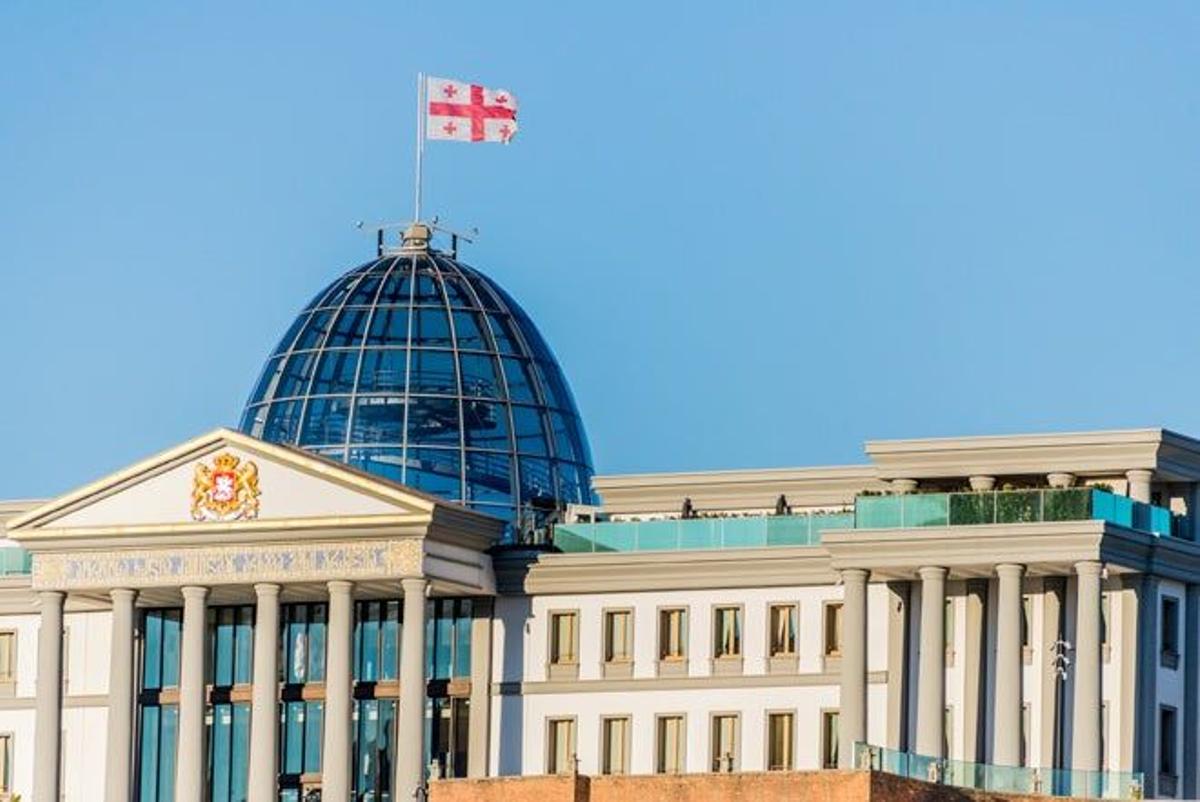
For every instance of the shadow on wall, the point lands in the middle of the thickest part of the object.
(514, 618)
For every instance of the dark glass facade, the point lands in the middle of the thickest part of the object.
(420, 369)
(303, 629)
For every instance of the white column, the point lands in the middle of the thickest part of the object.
(1139, 484)
(1006, 737)
(264, 701)
(931, 687)
(852, 717)
(119, 757)
(189, 766)
(47, 733)
(1085, 734)
(335, 761)
(410, 729)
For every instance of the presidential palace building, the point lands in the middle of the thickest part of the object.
(400, 569)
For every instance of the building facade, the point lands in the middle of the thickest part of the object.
(402, 567)
(922, 603)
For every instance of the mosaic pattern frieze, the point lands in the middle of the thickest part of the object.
(228, 565)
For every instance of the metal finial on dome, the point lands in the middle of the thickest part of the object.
(416, 238)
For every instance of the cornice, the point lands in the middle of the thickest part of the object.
(548, 574)
(723, 490)
(712, 682)
(1173, 456)
(214, 533)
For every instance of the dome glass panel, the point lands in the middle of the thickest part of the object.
(420, 369)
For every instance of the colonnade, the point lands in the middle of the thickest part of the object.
(264, 722)
(931, 671)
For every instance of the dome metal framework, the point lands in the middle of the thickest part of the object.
(423, 370)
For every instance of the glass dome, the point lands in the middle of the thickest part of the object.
(421, 369)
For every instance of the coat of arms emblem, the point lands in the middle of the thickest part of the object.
(226, 491)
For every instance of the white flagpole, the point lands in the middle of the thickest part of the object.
(420, 144)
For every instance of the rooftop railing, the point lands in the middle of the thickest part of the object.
(14, 560)
(1012, 779)
(1011, 507)
(699, 533)
(870, 512)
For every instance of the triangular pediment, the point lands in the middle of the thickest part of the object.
(225, 478)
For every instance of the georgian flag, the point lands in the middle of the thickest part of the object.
(469, 112)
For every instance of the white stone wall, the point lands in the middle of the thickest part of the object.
(85, 704)
(521, 636)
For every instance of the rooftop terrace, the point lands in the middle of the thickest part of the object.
(1003, 507)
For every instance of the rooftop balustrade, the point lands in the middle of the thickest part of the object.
(699, 533)
(1010, 779)
(870, 512)
(1011, 507)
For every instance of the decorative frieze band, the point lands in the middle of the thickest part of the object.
(228, 565)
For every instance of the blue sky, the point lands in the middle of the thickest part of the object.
(756, 234)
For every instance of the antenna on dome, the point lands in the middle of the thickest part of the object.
(455, 236)
(379, 228)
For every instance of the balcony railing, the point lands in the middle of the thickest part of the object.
(1011, 507)
(699, 533)
(1012, 779)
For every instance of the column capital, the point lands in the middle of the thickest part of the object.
(859, 575)
(262, 589)
(339, 586)
(1139, 474)
(932, 572)
(1089, 568)
(904, 486)
(194, 592)
(982, 482)
(50, 596)
(1010, 569)
(1060, 479)
(414, 584)
(122, 594)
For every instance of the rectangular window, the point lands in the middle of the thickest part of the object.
(560, 750)
(672, 634)
(450, 729)
(670, 741)
(155, 771)
(614, 734)
(1166, 742)
(1026, 621)
(948, 626)
(1104, 736)
(829, 739)
(8, 656)
(1105, 617)
(1170, 631)
(618, 636)
(948, 731)
(780, 732)
(727, 632)
(6, 749)
(782, 620)
(563, 637)
(1025, 714)
(833, 630)
(724, 743)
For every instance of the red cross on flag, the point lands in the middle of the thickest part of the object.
(469, 112)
